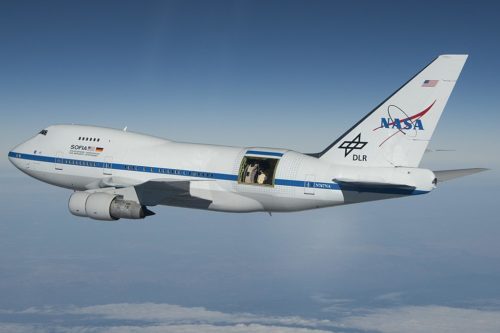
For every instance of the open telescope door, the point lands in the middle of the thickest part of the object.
(257, 170)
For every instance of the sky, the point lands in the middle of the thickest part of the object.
(196, 71)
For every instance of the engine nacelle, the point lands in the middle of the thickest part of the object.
(105, 206)
(77, 203)
(128, 209)
(98, 206)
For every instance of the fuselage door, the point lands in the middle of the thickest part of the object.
(309, 184)
(59, 161)
(107, 166)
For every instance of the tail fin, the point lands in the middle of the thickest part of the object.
(396, 132)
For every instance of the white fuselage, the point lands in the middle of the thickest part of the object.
(89, 158)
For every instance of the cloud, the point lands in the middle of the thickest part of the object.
(157, 312)
(17, 328)
(426, 319)
(167, 313)
(188, 328)
(152, 318)
(391, 297)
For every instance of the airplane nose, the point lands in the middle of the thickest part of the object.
(14, 158)
(15, 155)
(11, 157)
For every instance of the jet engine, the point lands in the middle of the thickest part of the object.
(105, 206)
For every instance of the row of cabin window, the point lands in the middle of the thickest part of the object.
(78, 162)
(136, 168)
(81, 138)
(170, 171)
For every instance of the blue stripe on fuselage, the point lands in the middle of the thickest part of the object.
(265, 153)
(181, 172)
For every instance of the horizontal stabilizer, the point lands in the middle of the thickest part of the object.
(445, 175)
(437, 150)
(360, 186)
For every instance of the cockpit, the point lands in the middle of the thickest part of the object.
(43, 132)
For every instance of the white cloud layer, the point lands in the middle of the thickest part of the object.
(427, 319)
(187, 328)
(153, 318)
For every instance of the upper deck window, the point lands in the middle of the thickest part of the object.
(43, 132)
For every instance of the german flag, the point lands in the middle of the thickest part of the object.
(99, 149)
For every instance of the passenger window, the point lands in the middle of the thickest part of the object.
(257, 170)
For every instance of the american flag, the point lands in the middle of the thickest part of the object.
(430, 83)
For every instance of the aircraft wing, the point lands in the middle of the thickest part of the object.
(116, 182)
(168, 192)
(154, 192)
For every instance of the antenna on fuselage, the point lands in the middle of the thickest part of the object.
(125, 128)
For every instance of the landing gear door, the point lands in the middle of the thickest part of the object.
(309, 184)
(107, 166)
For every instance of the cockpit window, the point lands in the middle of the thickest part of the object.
(43, 132)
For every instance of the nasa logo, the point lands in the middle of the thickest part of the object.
(405, 124)
(401, 122)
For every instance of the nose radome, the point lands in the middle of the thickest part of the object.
(15, 154)
(13, 159)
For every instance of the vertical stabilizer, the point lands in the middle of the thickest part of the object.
(396, 132)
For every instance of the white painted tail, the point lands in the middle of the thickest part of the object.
(396, 132)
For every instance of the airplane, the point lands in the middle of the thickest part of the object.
(120, 174)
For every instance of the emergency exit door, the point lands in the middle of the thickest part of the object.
(107, 166)
(309, 184)
(59, 161)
